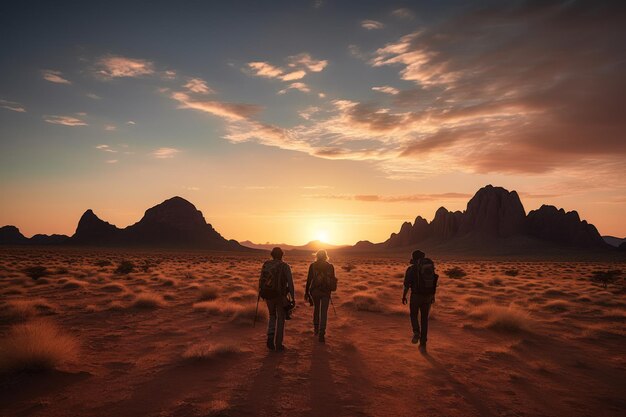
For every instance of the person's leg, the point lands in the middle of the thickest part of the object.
(324, 302)
(414, 310)
(316, 313)
(271, 324)
(424, 312)
(280, 323)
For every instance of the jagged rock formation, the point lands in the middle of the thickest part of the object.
(93, 231)
(495, 213)
(555, 225)
(11, 235)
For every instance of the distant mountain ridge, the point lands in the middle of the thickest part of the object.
(312, 246)
(173, 223)
(494, 216)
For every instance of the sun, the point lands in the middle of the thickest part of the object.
(322, 236)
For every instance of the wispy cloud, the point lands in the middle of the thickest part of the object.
(12, 105)
(386, 89)
(230, 111)
(115, 66)
(93, 96)
(110, 128)
(297, 67)
(130, 123)
(394, 198)
(296, 86)
(111, 161)
(403, 13)
(198, 86)
(65, 120)
(164, 153)
(372, 24)
(54, 77)
(105, 148)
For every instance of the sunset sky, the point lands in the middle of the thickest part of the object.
(286, 121)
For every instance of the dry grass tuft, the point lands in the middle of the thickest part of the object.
(506, 319)
(208, 293)
(73, 285)
(36, 346)
(235, 311)
(204, 351)
(36, 272)
(455, 272)
(22, 310)
(148, 300)
(364, 301)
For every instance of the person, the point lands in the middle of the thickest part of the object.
(421, 279)
(320, 283)
(275, 286)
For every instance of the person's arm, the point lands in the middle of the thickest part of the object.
(407, 284)
(309, 278)
(290, 288)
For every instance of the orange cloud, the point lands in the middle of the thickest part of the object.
(164, 153)
(113, 66)
(65, 121)
(54, 77)
(199, 86)
(230, 111)
(371, 24)
(12, 105)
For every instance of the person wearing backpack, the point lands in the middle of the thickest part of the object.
(275, 286)
(422, 280)
(320, 283)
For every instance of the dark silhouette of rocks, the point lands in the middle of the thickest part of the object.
(495, 214)
(622, 247)
(555, 225)
(173, 223)
(93, 231)
(11, 235)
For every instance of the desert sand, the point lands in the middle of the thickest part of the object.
(174, 337)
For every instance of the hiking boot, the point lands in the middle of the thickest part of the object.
(280, 348)
(422, 346)
(416, 338)
(270, 343)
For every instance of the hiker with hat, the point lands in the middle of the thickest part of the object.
(421, 279)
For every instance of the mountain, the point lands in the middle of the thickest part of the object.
(11, 235)
(312, 246)
(173, 223)
(614, 241)
(494, 218)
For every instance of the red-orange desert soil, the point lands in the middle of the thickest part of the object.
(174, 337)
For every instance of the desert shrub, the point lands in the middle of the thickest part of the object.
(103, 262)
(364, 301)
(37, 345)
(21, 310)
(557, 306)
(113, 288)
(348, 267)
(148, 301)
(72, 285)
(203, 351)
(125, 267)
(606, 277)
(505, 319)
(495, 282)
(62, 270)
(511, 272)
(455, 272)
(209, 292)
(36, 272)
(232, 310)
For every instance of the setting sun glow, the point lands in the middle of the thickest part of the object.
(322, 236)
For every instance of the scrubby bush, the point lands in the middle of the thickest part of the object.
(102, 263)
(606, 277)
(37, 345)
(511, 272)
(203, 351)
(505, 319)
(148, 301)
(125, 267)
(455, 272)
(209, 292)
(495, 282)
(348, 267)
(36, 272)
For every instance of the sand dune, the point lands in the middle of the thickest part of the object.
(171, 334)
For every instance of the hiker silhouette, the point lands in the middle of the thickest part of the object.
(276, 288)
(320, 283)
(421, 279)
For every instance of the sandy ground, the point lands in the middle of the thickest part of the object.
(175, 338)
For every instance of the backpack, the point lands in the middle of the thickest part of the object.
(426, 277)
(323, 279)
(271, 283)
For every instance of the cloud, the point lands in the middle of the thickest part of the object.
(110, 128)
(304, 60)
(296, 86)
(164, 153)
(65, 120)
(54, 77)
(229, 111)
(12, 105)
(198, 86)
(297, 67)
(130, 123)
(372, 24)
(115, 66)
(111, 161)
(403, 13)
(386, 89)
(394, 198)
(93, 96)
(105, 148)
